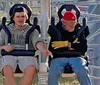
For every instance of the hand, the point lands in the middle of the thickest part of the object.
(46, 52)
(59, 44)
(8, 48)
(75, 41)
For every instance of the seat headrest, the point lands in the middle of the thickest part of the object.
(68, 7)
(23, 5)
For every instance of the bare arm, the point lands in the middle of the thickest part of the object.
(42, 47)
(7, 48)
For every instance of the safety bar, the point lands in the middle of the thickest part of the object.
(36, 23)
(6, 29)
(18, 52)
(82, 28)
(53, 27)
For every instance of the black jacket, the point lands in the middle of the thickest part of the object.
(61, 34)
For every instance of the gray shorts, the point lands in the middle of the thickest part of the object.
(22, 61)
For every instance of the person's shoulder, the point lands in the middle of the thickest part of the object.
(11, 26)
(59, 23)
(77, 27)
(2, 32)
(28, 26)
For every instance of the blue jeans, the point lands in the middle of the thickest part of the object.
(78, 65)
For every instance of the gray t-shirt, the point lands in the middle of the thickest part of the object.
(18, 37)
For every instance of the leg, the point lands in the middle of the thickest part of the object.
(28, 75)
(8, 65)
(28, 65)
(56, 69)
(81, 70)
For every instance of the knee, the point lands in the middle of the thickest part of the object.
(30, 70)
(7, 70)
(55, 72)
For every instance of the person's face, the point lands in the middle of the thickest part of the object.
(69, 25)
(20, 19)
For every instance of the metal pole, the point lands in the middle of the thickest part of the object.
(45, 15)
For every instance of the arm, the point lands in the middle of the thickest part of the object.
(39, 44)
(7, 48)
(78, 46)
(3, 40)
(81, 46)
(42, 47)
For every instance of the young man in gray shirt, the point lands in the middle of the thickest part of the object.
(27, 64)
